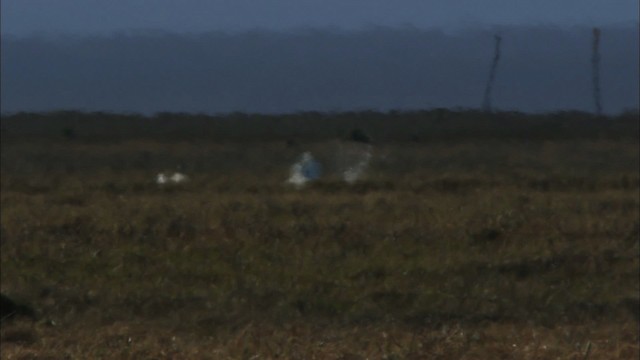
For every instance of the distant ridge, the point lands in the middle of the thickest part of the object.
(363, 126)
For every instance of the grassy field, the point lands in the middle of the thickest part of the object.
(489, 247)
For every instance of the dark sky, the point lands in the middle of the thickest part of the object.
(24, 17)
(313, 55)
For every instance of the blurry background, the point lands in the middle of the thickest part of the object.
(286, 56)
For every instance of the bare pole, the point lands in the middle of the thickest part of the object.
(486, 103)
(595, 70)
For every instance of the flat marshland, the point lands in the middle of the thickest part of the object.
(464, 241)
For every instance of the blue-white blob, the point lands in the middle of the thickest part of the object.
(304, 170)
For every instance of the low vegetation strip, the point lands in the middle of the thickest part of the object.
(436, 125)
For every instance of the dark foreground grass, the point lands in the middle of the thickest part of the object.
(462, 250)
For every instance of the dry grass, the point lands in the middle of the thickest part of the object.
(304, 340)
(466, 250)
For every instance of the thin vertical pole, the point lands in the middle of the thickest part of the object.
(486, 103)
(595, 70)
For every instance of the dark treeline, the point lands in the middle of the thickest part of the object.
(415, 126)
(541, 69)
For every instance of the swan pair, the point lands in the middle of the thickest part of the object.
(176, 178)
